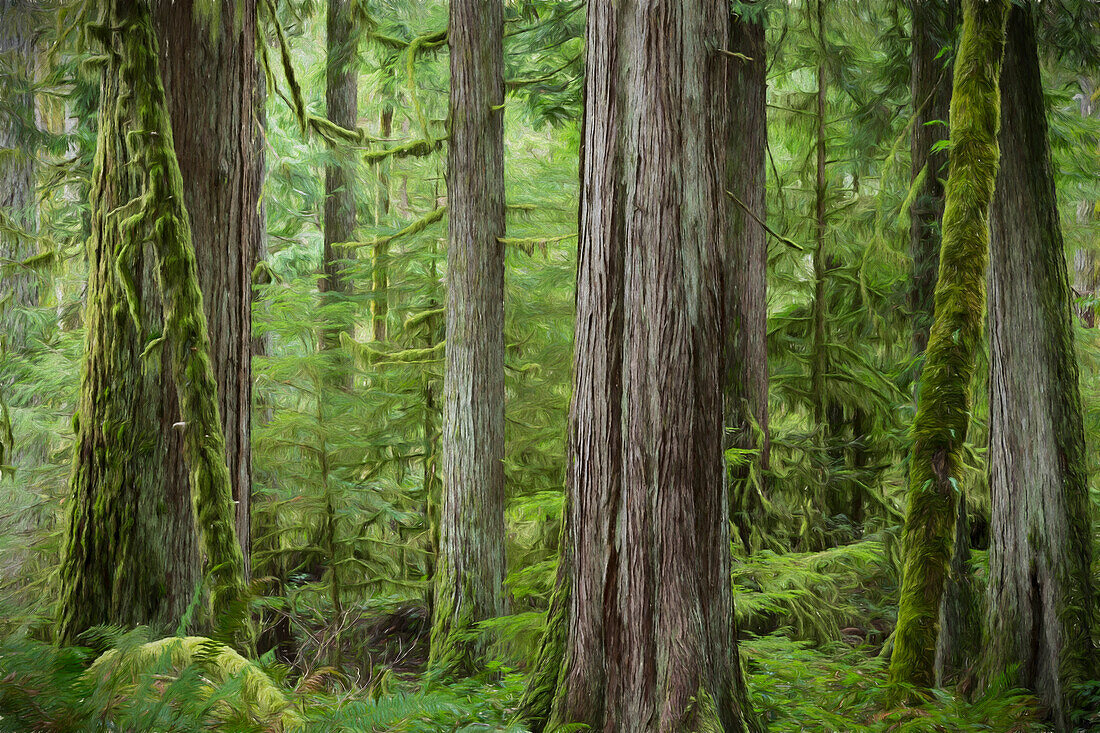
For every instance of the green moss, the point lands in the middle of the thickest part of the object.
(943, 409)
(136, 161)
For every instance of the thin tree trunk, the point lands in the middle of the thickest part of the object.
(210, 81)
(747, 385)
(934, 24)
(380, 275)
(649, 638)
(1086, 262)
(342, 106)
(18, 287)
(939, 432)
(1040, 600)
(470, 571)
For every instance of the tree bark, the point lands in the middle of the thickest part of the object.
(943, 407)
(644, 611)
(1086, 262)
(380, 270)
(210, 81)
(934, 24)
(18, 287)
(1040, 599)
(342, 107)
(130, 552)
(747, 382)
(470, 571)
(933, 30)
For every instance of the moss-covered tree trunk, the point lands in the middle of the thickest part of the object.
(943, 407)
(210, 81)
(130, 549)
(933, 32)
(643, 620)
(18, 286)
(747, 385)
(469, 574)
(1040, 592)
(342, 108)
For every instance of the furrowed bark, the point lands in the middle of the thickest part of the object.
(122, 526)
(1040, 593)
(470, 571)
(644, 597)
(939, 431)
(210, 82)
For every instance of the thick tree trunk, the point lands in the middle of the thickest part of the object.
(342, 107)
(130, 553)
(470, 571)
(644, 612)
(210, 81)
(1040, 585)
(934, 24)
(747, 382)
(943, 407)
(18, 287)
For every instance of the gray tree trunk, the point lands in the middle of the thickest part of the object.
(644, 614)
(1040, 597)
(18, 287)
(470, 570)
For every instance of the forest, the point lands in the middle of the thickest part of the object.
(637, 366)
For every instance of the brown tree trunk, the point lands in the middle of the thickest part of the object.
(470, 571)
(747, 383)
(934, 24)
(342, 107)
(210, 81)
(649, 641)
(131, 553)
(1040, 601)
(18, 287)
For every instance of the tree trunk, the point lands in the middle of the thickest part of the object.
(1040, 600)
(1086, 262)
(470, 571)
(18, 287)
(130, 551)
(747, 383)
(380, 270)
(943, 407)
(210, 82)
(644, 613)
(934, 24)
(342, 106)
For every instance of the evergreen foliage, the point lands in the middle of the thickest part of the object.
(347, 440)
